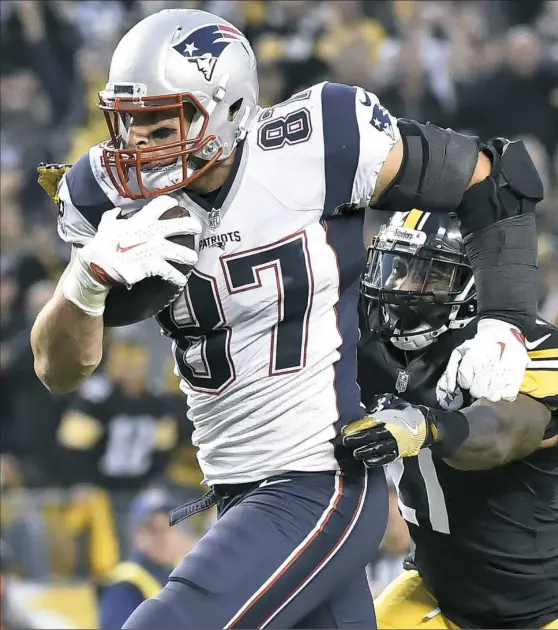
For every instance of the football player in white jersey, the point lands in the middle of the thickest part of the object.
(265, 330)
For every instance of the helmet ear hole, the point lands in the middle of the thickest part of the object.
(234, 109)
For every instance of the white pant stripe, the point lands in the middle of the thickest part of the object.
(323, 518)
(331, 554)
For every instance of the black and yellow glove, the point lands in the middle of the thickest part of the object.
(50, 176)
(392, 429)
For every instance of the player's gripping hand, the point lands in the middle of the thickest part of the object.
(125, 251)
(491, 365)
(392, 429)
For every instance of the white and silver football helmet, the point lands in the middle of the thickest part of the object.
(418, 282)
(169, 59)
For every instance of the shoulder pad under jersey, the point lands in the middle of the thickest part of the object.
(85, 193)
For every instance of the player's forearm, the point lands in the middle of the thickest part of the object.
(499, 433)
(394, 163)
(67, 345)
(497, 220)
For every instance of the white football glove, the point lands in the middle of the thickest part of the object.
(125, 251)
(491, 365)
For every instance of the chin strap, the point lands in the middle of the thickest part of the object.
(211, 148)
(418, 341)
(242, 130)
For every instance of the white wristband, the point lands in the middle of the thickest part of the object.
(81, 288)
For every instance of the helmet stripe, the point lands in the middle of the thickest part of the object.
(423, 220)
(412, 219)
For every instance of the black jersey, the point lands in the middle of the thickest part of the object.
(485, 542)
(113, 440)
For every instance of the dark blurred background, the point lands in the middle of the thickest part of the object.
(71, 466)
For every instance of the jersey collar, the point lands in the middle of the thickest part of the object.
(227, 190)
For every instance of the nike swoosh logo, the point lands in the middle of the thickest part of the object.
(121, 249)
(367, 100)
(502, 348)
(413, 430)
(273, 482)
(531, 345)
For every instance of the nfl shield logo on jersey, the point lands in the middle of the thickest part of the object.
(402, 381)
(214, 219)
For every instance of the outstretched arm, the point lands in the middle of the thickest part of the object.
(482, 436)
(493, 189)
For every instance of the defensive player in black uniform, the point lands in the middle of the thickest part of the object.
(478, 485)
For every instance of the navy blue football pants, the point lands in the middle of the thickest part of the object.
(289, 552)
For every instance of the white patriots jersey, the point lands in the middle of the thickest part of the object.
(265, 333)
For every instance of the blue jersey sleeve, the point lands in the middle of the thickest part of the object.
(358, 135)
(82, 203)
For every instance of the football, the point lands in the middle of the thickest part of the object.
(149, 296)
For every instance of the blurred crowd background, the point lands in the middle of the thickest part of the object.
(86, 478)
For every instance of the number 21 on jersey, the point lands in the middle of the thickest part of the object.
(421, 498)
(202, 346)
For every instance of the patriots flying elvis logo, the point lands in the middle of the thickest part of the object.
(381, 120)
(380, 117)
(204, 45)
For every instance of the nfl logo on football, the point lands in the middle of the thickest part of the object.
(402, 381)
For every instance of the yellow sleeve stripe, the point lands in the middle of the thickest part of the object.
(552, 353)
(412, 219)
(540, 383)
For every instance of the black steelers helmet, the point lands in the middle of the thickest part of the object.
(418, 282)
